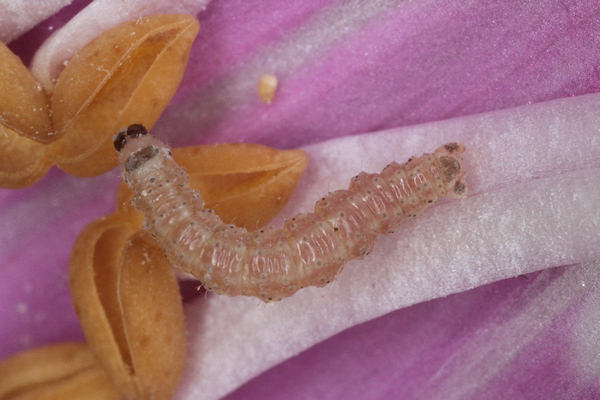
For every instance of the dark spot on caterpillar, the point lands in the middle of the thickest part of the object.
(450, 167)
(459, 188)
(120, 140)
(136, 130)
(451, 147)
(140, 157)
(335, 228)
(132, 131)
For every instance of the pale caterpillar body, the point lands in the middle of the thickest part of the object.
(309, 250)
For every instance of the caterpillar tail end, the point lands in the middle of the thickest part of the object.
(450, 158)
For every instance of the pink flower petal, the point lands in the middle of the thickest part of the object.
(96, 18)
(38, 226)
(528, 338)
(19, 16)
(533, 173)
(354, 67)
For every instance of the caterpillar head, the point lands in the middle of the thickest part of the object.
(136, 147)
(132, 131)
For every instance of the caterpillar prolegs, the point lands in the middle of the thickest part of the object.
(309, 250)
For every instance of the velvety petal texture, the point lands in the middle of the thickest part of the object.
(532, 337)
(18, 16)
(347, 68)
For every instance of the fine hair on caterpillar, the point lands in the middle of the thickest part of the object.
(309, 250)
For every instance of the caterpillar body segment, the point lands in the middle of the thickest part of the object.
(309, 250)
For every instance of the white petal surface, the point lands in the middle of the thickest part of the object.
(18, 16)
(534, 203)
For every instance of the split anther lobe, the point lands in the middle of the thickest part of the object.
(132, 131)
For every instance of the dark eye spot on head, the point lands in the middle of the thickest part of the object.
(132, 131)
(451, 147)
(136, 130)
(450, 167)
(120, 139)
(138, 158)
(459, 188)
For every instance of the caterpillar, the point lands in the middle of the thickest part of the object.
(309, 250)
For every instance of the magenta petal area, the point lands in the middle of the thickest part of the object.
(530, 337)
(38, 227)
(353, 67)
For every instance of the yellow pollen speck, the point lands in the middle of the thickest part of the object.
(267, 85)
